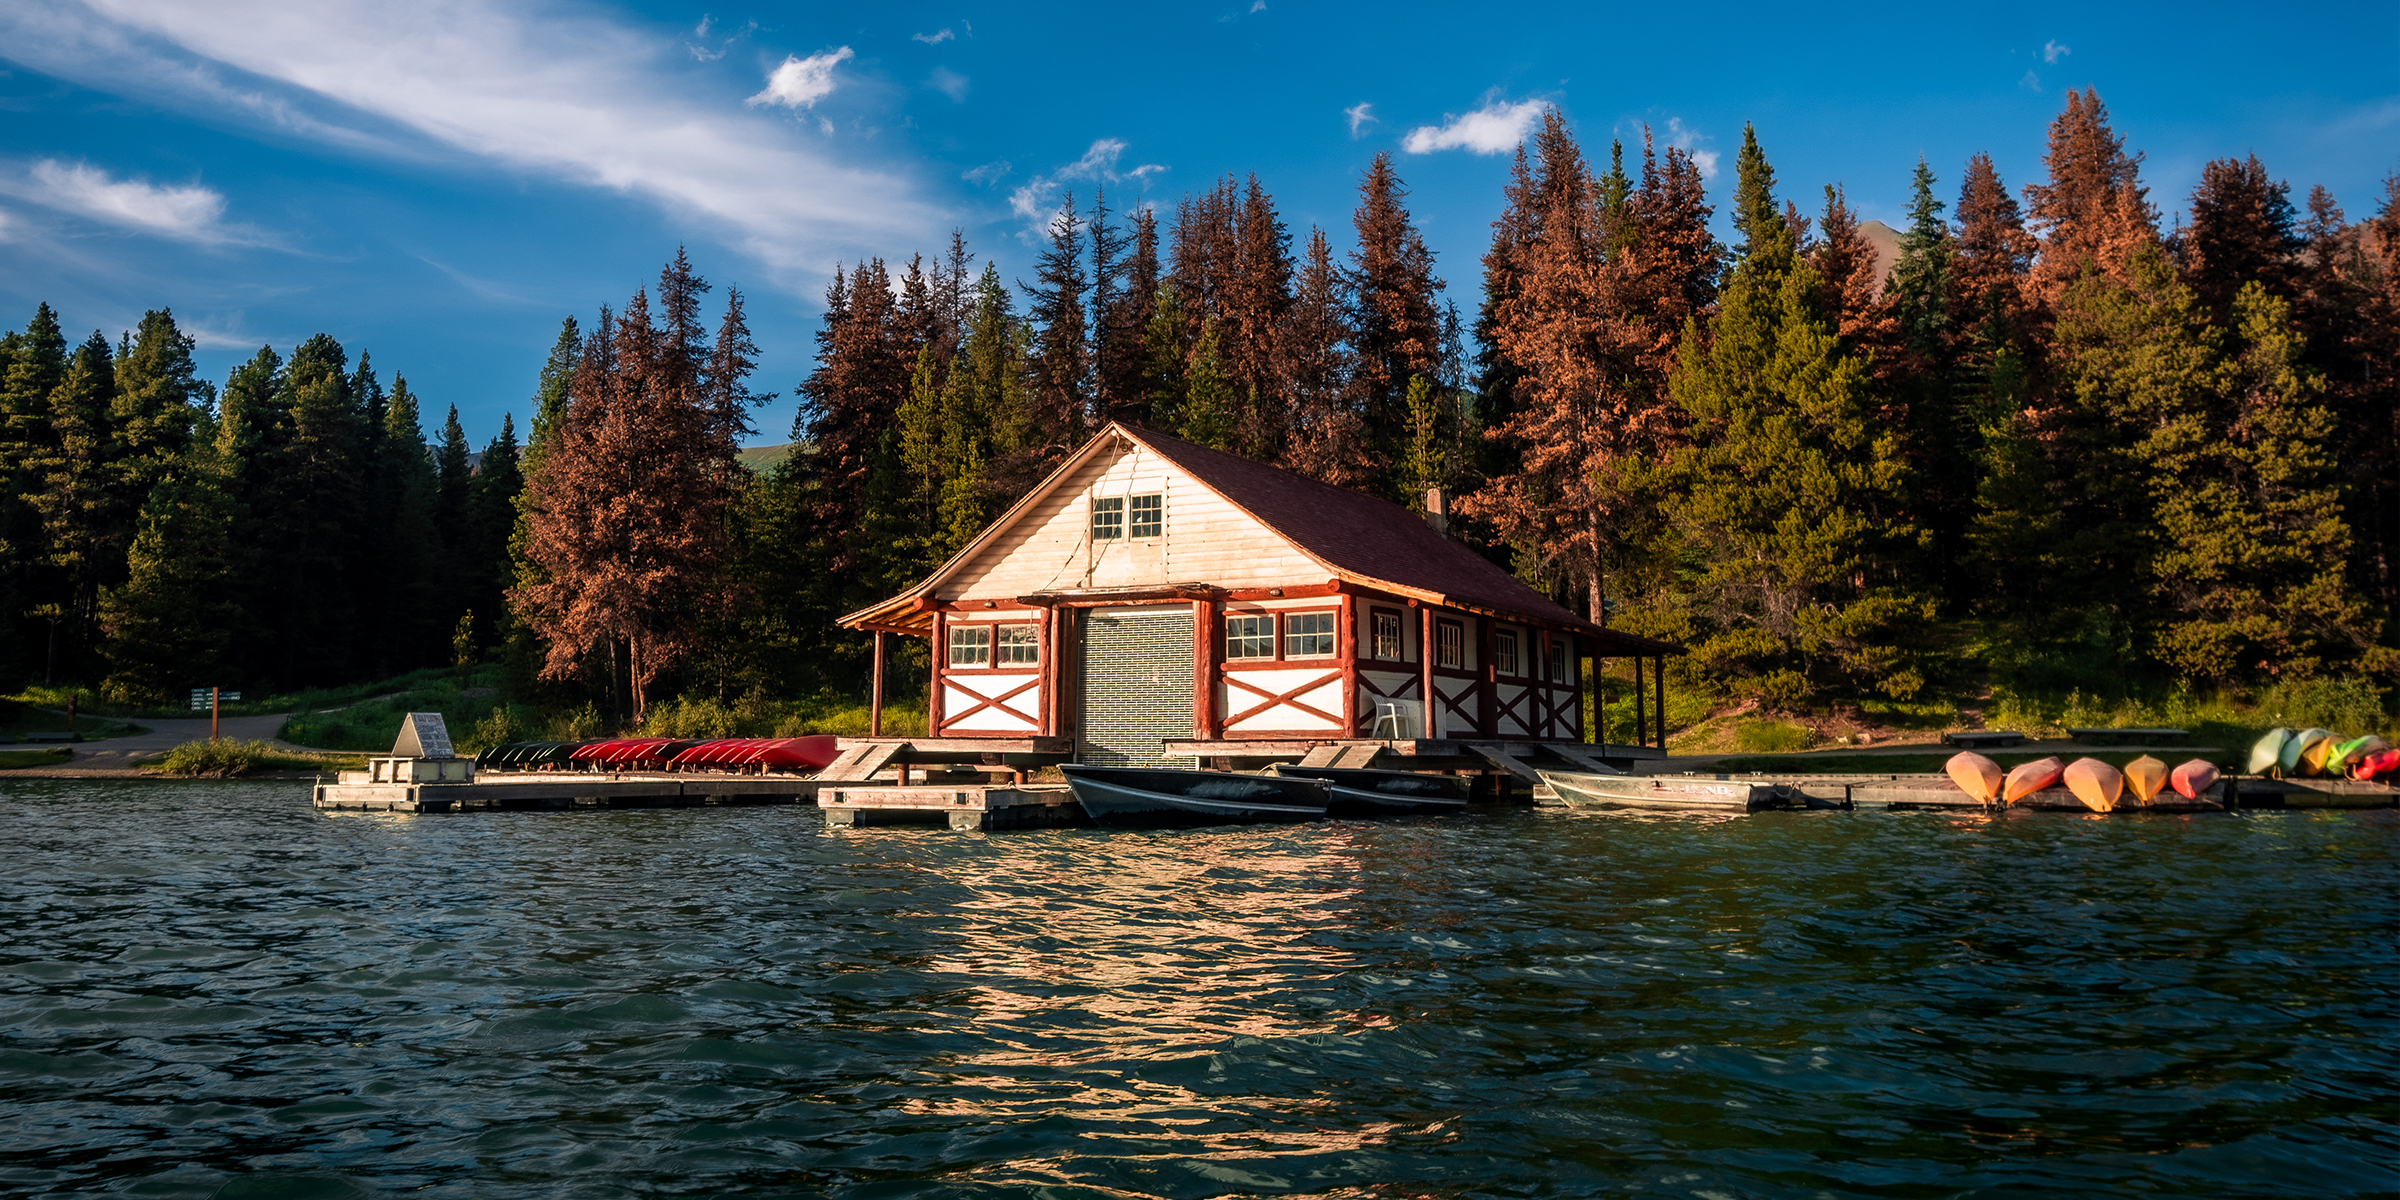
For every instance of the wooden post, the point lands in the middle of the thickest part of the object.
(1425, 656)
(1659, 664)
(875, 701)
(1207, 645)
(212, 715)
(1487, 684)
(1345, 656)
(1641, 706)
(933, 692)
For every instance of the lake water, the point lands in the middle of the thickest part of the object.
(214, 990)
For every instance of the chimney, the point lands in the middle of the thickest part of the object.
(1437, 510)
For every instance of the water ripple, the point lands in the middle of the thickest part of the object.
(213, 990)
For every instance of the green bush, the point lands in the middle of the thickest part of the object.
(1772, 737)
(221, 758)
(2349, 706)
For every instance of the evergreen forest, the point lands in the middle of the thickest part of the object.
(2037, 441)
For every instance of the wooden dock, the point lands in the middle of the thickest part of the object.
(962, 808)
(534, 791)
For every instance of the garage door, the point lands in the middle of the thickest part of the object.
(1136, 687)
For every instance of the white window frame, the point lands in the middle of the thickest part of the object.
(1258, 633)
(1293, 639)
(1504, 652)
(1017, 646)
(972, 641)
(1399, 639)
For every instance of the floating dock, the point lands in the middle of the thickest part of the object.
(535, 791)
(963, 808)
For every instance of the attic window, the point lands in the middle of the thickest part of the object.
(1149, 516)
(1108, 518)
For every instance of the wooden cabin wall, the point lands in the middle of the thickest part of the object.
(1282, 695)
(1205, 539)
(994, 698)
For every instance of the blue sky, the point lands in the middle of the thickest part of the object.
(439, 183)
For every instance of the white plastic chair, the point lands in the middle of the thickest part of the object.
(1400, 716)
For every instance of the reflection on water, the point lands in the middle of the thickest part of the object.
(214, 990)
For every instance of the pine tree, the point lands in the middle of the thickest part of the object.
(1164, 354)
(1209, 415)
(1062, 348)
(311, 519)
(454, 486)
(1852, 285)
(173, 621)
(1257, 301)
(1395, 330)
(1123, 355)
(83, 530)
(1995, 253)
(492, 520)
(2242, 230)
(420, 580)
(1328, 441)
(1790, 499)
(2094, 213)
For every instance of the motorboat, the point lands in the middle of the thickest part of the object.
(1359, 792)
(1166, 796)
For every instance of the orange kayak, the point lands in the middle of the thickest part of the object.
(2195, 777)
(2032, 777)
(1975, 775)
(2095, 783)
(2146, 776)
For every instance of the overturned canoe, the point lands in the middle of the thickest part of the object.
(1358, 792)
(2030, 778)
(2195, 777)
(1975, 775)
(2145, 777)
(2267, 755)
(1158, 796)
(2300, 754)
(2095, 783)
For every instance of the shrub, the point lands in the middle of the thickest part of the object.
(581, 725)
(2351, 706)
(221, 758)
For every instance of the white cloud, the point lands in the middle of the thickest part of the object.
(1360, 114)
(1496, 128)
(949, 83)
(1683, 137)
(543, 90)
(5, 222)
(2032, 80)
(2052, 51)
(987, 173)
(1258, 6)
(933, 39)
(1037, 200)
(190, 213)
(801, 82)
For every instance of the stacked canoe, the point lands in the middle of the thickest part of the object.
(2143, 783)
(2321, 753)
(664, 753)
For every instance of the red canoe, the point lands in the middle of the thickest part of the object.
(617, 752)
(808, 753)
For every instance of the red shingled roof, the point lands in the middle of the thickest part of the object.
(1359, 535)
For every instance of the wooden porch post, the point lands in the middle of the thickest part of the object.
(1659, 664)
(933, 693)
(1345, 656)
(1207, 644)
(1433, 709)
(875, 701)
(1641, 706)
(1487, 685)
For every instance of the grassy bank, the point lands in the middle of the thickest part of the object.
(17, 760)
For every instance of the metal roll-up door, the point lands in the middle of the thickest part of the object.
(1136, 688)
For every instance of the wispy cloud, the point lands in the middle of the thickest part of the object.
(2052, 51)
(990, 172)
(703, 31)
(1495, 128)
(2031, 81)
(1687, 139)
(1258, 6)
(801, 82)
(949, 83)
(1037, 199)
(933, 39)
(1360, 114)
(540, 89)
(6, 224)
(190, 213)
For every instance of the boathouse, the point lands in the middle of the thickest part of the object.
(1155, 600)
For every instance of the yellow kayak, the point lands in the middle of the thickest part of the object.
(2301, 754)
(2146, 776)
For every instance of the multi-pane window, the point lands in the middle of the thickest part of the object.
(1504, 651)
(1149, 516)
(1250, 637)
(970, 645)
(1108, 518)
(1450, 642)
(1558, 661)
(1307, 634)
(1387, 636)
(1018, 644)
